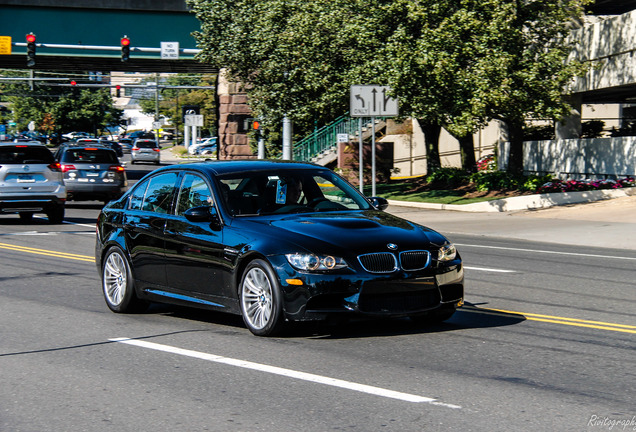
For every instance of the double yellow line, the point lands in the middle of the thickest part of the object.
(599, 325)
(47, 252)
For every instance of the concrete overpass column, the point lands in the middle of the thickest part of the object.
(570, 127)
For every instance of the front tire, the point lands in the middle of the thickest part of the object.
(261, 305)
(117, 283)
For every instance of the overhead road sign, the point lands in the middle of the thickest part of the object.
(372, 101)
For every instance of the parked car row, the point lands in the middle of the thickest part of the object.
(34, 180)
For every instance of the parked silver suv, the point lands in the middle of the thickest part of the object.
(31, 182)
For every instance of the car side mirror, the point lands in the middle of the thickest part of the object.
(203, 214)
(379, 203)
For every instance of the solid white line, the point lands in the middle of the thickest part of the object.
(285, 372)
(489, 269)
(71, 223)
(547, 252)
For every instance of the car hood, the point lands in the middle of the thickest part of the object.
(353, 231)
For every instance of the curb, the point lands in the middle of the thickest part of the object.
(526, 202)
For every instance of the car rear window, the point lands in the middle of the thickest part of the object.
(146, 144)
(87, 155)
(25, 155)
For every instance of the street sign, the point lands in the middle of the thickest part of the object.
(157, 125)
(5, 45)
(170, 50)
(31, 126)
(343, 137)
(372, 101)
(194, 120)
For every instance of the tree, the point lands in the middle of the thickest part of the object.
(451, 63)
(171, 99)
(54, 108)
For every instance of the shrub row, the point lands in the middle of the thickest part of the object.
(486, 180)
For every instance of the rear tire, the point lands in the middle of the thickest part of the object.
(260, 299)
(117, 283)
(56, 214)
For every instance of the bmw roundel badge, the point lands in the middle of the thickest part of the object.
(392, 246)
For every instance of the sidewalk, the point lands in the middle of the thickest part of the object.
(608, 223)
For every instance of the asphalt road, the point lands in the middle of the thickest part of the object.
(545, 342)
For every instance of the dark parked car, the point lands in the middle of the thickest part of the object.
(91, 172)
(273, 242)
(31, 181)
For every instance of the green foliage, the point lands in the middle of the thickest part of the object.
(495, 180)
(533, 182)
(171, 100)
(56, 108)
(456, 64)
(446, 178)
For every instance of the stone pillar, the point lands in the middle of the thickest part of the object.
(570, 127)
(234, 111)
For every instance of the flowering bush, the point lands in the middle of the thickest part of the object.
(487, 163)
(557, 185)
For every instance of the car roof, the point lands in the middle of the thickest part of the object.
(242, 166)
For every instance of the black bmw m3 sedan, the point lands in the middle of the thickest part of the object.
(274, 242)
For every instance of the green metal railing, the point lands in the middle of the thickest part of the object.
(324, 138)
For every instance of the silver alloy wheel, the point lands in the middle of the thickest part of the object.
(257, 298)
(115, 279)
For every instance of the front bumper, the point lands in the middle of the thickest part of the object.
(397, 295)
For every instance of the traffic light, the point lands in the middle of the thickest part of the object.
(125, 49)
(74, 88)
(118, 91)
(30, 38)
(256, 125)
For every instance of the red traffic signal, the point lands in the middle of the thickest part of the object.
(73, 83)
(125, 49)
(118, 90)
(30, 38)
(256, 125)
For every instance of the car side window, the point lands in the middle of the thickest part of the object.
(159, 194)
(137, 196)
(194, 192)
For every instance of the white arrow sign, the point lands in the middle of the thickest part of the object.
(372, 101)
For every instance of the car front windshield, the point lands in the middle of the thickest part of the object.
(290, 191)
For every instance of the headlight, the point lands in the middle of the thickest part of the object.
(311, 262)
(447, 252)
